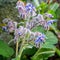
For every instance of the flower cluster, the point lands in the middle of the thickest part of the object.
(37, 37)
(25, 11)
(39, 20)
(10, 25)
(29, 11)
(21, 9)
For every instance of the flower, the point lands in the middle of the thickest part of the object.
(30, 10)
(4, 28)
(17, 34)
(21, 30)
(21, 9)
(46, 26)
(30, 7)
(40, 39)
(11, 26)
(49, 15)
(50, 22)
(19, 4)
(40, 17)
(27, 11)
(35, 21)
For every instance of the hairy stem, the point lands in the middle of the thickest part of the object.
(21, 49)
(16, 48)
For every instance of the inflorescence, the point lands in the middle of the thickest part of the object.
(26, 11)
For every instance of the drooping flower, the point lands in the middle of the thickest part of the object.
(4, 28)
(40, 39)
(21, 30)
(49, 15)
(21, 9)
(41, 19)
(48, 24)
(11, 26)
(51, 22)
(17, 34)
(30, 9)
(20, 4)
(35, 21)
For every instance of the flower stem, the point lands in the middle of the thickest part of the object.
(16, 48)
(21, 49)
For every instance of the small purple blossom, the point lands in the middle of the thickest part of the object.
(40, 39)
(4, 28)
(49, 15)
(21, 9)
(50, 22)
(19, 4)
(11, 26)
(30, 7)
(17, 32)
(30, 10)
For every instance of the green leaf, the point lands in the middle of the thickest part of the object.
(54, 6)
(43, 54)
(29, 51)
(39, 29)
(51, 38)
(44, 7)
(48, 45)
(5, 50)
(58, 51)
(58, 12)
(50, 41)
(52, 12)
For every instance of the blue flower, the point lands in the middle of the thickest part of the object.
(49, 15)
(50, 22)
(40, 39)
(29, 7)
(19, 33)
(4, 28)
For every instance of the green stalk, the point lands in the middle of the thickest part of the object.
(16, 48)
(21, 50)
